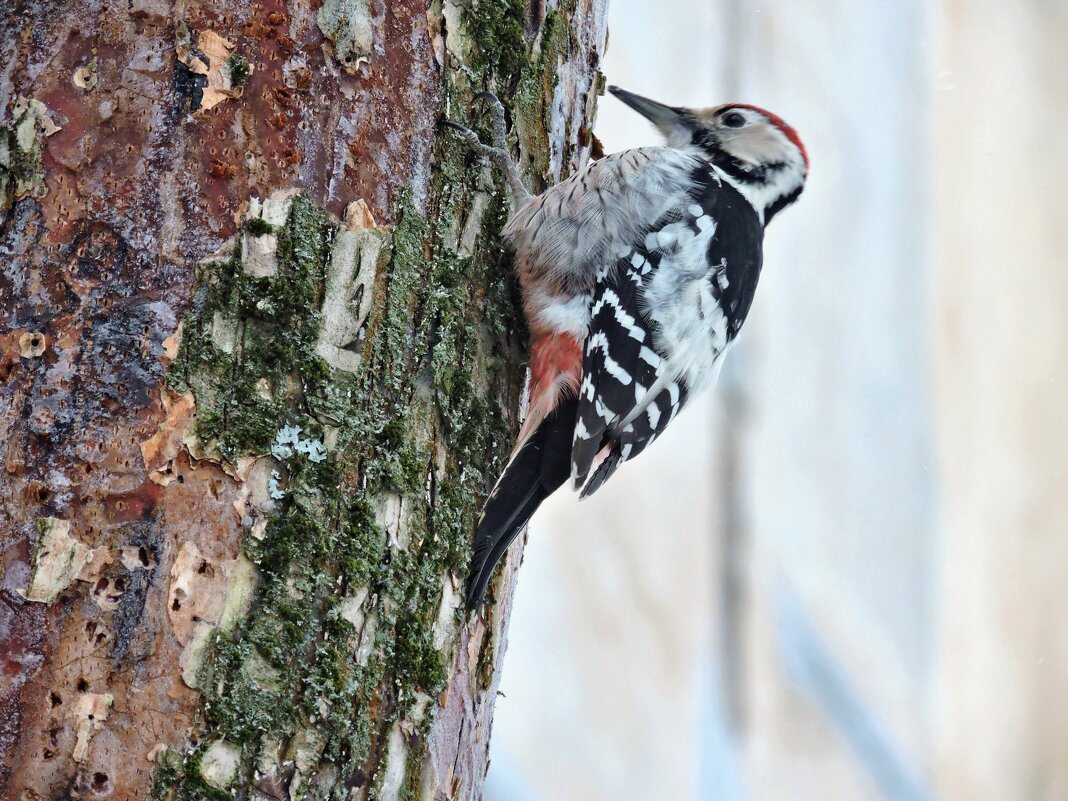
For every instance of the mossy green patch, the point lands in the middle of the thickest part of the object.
(412, 398)
(341, 635)
(239, 69)
(495, 28)
(177, 778)
(257, 226)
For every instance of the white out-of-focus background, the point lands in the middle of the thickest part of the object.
(843, 575)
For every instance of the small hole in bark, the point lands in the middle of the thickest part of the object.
(101, 585)
(54, 699)
(99, 783)
(83, 685)
(120, 584)
(142, 554)
(48, 754)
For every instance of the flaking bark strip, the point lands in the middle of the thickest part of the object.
(58, 559)
(21, 142)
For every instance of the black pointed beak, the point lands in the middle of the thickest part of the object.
(666, 118)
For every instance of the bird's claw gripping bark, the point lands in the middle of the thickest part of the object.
(499, 123)
(498, 152)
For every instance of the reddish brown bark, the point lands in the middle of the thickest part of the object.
(141, 183)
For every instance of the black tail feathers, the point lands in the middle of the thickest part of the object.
(540, 467)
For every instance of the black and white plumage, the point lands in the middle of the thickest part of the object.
(637, 275)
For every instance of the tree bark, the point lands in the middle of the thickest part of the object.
(261, 355)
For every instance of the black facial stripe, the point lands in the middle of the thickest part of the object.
(744, 173)
(737, 169)
(781, 203)
(703, 138)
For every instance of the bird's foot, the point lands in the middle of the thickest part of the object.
(498, 152)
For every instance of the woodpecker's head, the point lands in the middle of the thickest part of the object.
(761, 155)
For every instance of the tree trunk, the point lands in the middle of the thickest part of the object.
(261, 357)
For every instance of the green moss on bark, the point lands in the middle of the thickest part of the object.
(340, 639)
(412, 400)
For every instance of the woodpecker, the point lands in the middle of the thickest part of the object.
(636, 273)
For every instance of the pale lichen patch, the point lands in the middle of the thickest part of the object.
(351, 608)
(349, 290)
(393, 778)
(455, 40)
(88, 711)
(20, 151)
(393, 518)
(58, 560)
(224, 332)
(348, 24)
(32, 122)
(192, 656)
(240, 589)
(304, 750)
(445, 625)
(262, 673)
(220, 763)
(365, 641)
(259, 242)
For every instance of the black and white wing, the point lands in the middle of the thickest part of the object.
(662, 315)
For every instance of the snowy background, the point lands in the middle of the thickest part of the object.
(844, 574)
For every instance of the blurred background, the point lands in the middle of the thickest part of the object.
(844, 574)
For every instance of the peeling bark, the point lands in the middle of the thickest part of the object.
(261, 357)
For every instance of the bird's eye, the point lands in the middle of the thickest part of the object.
(733, 119)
